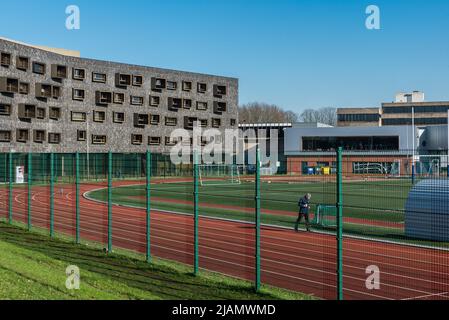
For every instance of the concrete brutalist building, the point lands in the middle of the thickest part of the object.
(51, 100)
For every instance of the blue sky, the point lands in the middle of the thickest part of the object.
(297, 54)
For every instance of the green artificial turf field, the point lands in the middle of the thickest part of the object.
(370, 207)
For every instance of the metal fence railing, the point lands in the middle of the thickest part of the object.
(379, 223)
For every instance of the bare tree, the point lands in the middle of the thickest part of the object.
(258, 112)
(326, 115)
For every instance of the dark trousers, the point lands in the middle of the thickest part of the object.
(306, 218)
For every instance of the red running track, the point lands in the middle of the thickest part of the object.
(304, 262)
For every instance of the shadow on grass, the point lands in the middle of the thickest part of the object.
(161, 280)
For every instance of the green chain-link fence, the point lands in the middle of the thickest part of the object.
(368, 213)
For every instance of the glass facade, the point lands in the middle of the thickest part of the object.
(358, 117)
(418, 121)
(350, 143)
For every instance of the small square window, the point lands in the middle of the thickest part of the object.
(78, 94)
(103, 97)
(5, 136)
(5, 59)
(5, 109)
(39, 136)
(172, 85)
(56, 92)
(216, 123)
(22, 63)
(99, 116)
(136, 100)
(157, 84)
(24, 88)
(186, 86)
(136, 139)
(98, 139)
(233, 122)
(98, 77)
(201, 105)
(155, 101)
(169, 141)
(187, 103)
(38, 68)
(219, 90)
(78, 74)
(154, 119)
(118, 117)
(81, 135)
(171, 121)
(174, 103)
(55, 113)
(137, 81)
(202, 87)
(122, 80)
(152, 141)
(22, 135)
(40, 113)
(54, 138)
(78, 116)
(119, 97)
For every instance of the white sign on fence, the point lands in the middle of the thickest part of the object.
(20, 174)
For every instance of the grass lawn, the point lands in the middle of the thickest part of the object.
(32, 266)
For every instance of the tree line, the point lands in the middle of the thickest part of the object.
(259, 112)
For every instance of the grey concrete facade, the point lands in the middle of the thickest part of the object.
(118, 134)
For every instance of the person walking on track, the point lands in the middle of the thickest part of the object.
(304, 206)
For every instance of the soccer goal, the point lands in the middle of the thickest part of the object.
(219, 174)
(325, 216)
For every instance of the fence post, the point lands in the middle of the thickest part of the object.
(10, 195)
(257, 222)
(339, 224)
(52, 198)
(148, 204)
(109, 201)
(30, 178)
(77, 197)
(195, 211)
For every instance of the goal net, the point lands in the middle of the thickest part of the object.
(325, 216)
(431, 165)
(219, 174)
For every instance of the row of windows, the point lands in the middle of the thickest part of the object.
(417, 109)
(359, 117)
(174, 104)
(121, 79)
(142, 119)
(137, 139)
(40, 136)
(27, 112)
(23, 135)
(418, 121)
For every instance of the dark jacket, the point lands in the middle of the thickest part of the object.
(303, 205)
